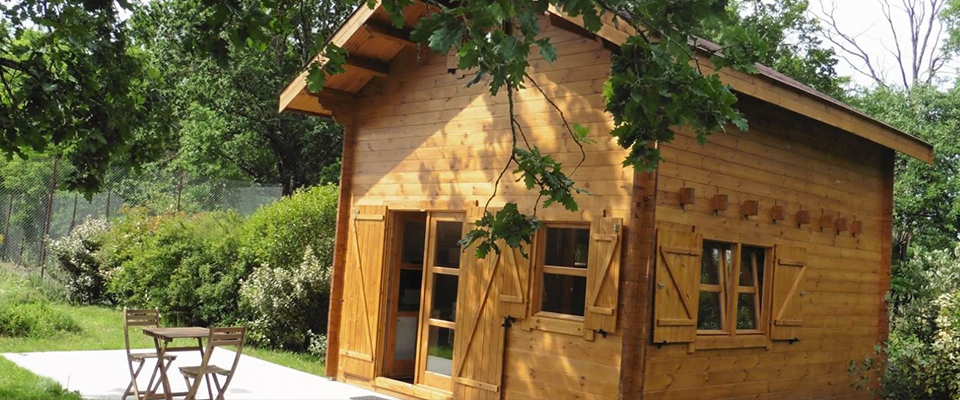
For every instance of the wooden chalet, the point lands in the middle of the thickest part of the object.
(752, 267)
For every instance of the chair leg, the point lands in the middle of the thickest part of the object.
(130, 389)
(153, 376)
(220, 390)
(189, 385)
(154, 385)
(209, 390)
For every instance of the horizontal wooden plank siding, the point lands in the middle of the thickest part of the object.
(788, 161)
(424, 138)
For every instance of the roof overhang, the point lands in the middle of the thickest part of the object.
(372, 43)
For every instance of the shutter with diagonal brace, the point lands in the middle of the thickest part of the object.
(515, 283)
(603, 276)
(787, 308)
(479, 342)
(677, 286)
(361, 283)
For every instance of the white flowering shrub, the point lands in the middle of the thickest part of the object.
(76, 257)
(285, 306)
(318, 345)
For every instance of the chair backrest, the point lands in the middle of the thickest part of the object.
(138, 318)
(220, 337)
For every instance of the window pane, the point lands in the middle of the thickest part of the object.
(564, 294)
(746, 311)
(413, 232)
(567, 247)
(709, 316)
(444, 297)
(409, 298)
(751, 257)
(448, 248)
(710, 264)
(440, 351)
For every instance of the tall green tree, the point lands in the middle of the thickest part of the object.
(927, 198)
(226, 106)
(795, 44)
(71, 85)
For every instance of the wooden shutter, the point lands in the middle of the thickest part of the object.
(677, 286)
(515, 283)
(787, 294)
(361, 290)
(479, 341)
(603, 276)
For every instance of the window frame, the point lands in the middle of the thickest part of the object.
(540, 268)
(730, 289)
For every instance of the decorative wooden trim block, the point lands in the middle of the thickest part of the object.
(687, 196)
(778, 213)
(750, 208)
(856, 227)
(826, 221)
(841, 225)
(803, 217)
(720, 202)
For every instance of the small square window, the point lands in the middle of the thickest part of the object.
(564, 294)
(567, 247)
(731, 287)
(566, 252)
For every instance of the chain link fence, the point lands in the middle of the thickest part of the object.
(33, 210)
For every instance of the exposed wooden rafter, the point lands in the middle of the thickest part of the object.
(383, 31)
(331, 101)
(373, 67)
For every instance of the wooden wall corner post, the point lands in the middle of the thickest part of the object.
(886, 243)
(345, 200)
(636, 280)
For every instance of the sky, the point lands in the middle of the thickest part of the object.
(865, 20)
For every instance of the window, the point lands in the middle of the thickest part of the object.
(566, 250)
(731, 288)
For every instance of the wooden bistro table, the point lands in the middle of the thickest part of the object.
(161, 339)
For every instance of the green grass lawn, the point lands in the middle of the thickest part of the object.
(101, 328)
(19, 384)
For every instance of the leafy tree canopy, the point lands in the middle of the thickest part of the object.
(795, 44)
(927, 200)
(70, 84)
(226, 106)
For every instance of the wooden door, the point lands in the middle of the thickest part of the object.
(478, 353)
(361, 294)
(438, 317)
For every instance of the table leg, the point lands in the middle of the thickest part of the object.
(200, 345)
(161, 349)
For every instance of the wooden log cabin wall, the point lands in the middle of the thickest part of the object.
(752, 267)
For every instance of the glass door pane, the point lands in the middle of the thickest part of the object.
(439, 314)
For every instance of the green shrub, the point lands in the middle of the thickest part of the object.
(277, 234)
(290, 246)
(185, 265)
(920, 360)
(75, 255)
(34, 320)
(270, 272)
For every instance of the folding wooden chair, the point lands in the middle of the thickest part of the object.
(219, 337)
(141, 318)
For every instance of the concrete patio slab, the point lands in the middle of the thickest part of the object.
(103, 375)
